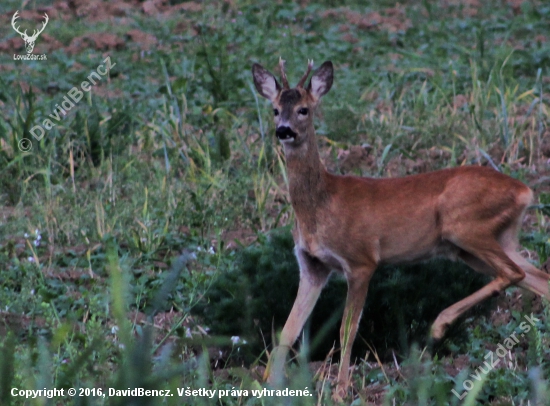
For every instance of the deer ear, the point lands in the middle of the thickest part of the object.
(321, 81)
(265, 82)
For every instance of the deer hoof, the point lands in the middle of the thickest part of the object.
(438, 331)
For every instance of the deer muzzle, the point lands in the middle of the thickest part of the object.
(285, 133)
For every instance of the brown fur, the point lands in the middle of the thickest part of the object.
(351, 224)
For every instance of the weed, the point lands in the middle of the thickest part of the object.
(172, 154)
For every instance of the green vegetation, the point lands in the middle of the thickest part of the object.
(120, 228)
(250, 301)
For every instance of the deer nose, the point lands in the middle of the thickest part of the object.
(285, 133)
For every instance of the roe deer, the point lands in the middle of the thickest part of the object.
(352, 224)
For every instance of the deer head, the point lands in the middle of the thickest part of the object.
(29, 40)
(294, 107)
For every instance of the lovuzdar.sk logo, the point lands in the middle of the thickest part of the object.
(30, 40)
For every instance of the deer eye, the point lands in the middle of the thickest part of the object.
(275, 112)
(303, 111)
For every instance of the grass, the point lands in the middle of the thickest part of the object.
(142, 193)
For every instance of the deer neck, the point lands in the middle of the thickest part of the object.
(307, 180)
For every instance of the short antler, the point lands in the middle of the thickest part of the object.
(304, 78)
(283, 73)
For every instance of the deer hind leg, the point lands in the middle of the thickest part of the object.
(490, 259)
(313, 276)
(358, 284)
(535, 280)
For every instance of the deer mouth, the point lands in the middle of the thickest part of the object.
(285, 134)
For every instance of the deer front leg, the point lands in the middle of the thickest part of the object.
(358, 285)
(313, 276)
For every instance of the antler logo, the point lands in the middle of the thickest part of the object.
(29, 40)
